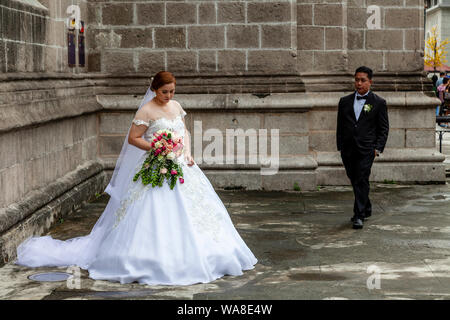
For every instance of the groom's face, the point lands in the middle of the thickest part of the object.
(362, 82)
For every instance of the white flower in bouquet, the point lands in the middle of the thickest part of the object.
(171, 156)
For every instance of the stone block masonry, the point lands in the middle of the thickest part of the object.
(33, 35)
(193, 37)
(334, 35)
(22, 37)
(276, 38)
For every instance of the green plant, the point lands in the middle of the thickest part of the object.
(389, 181)
(297, 187)
(61, 220)
(97, 195)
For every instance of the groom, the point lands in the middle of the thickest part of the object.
(362, 131)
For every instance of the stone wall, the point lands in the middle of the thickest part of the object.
(215, 37)
(333, 35)
(22, 37)
(246, 37)
(48, 143)
(47, 125)
(194, 37)
(33, 35)
(307, 141)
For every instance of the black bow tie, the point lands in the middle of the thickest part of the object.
(363, 97)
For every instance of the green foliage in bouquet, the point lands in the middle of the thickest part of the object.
(158, 167)
(150, 172)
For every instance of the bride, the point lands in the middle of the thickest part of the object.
(152, 235)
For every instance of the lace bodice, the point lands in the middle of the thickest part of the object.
(175, 125)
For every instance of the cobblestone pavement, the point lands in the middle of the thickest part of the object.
(305, 246)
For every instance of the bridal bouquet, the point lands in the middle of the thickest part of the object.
(160, 163)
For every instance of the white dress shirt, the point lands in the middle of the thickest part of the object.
(359, 104)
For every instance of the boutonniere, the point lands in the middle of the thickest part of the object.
(367, 107)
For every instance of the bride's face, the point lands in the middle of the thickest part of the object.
(165, 93)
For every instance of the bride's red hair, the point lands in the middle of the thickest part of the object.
(162, 78)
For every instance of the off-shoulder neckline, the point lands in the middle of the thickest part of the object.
(150, 120)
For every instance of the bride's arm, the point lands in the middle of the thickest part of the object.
(135, 137)
(138, 128)
(187, 141)
(187, 145)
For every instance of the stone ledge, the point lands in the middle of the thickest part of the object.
(409, 173)
(404, 173)
(306, 162)
(14, 116)
(43, 219)
(32, 6)
(33, 102)
(275, 102)
(137, 83)
(389, 155)
(221, 102)
(39, 198)
(26, 82)
(187, 83)
(33, 3)
(383, 81)
(253, 180)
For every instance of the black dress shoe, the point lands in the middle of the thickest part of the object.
(358, 223)
(366, 217)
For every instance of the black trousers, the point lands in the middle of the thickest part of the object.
(358, 165)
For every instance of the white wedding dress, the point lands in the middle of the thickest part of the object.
(156, 236)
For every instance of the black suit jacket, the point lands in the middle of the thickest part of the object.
(369, 132)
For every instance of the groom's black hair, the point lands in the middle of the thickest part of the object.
(365, 70)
